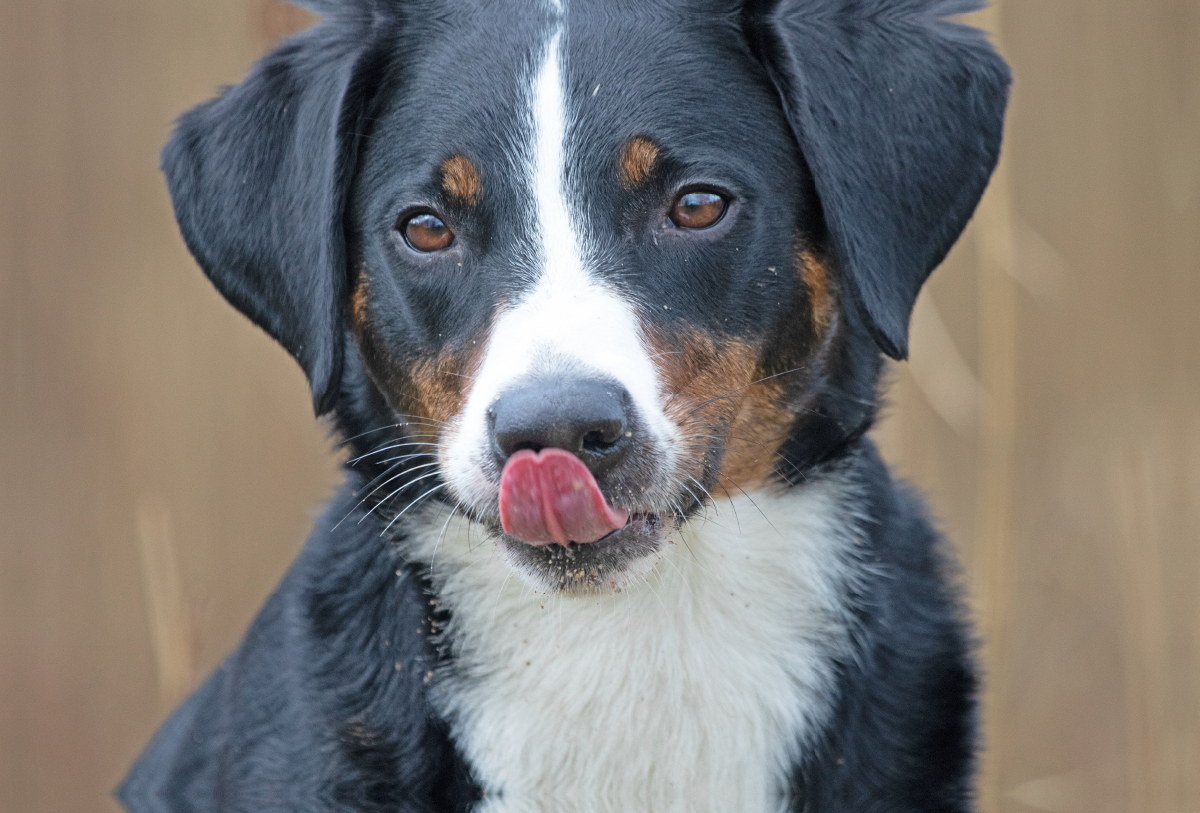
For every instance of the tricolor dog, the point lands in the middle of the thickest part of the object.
(597, 294)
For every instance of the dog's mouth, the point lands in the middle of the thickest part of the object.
(606, 565)
(560, 532)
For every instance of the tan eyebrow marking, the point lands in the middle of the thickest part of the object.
(638, 158)
(461, 181)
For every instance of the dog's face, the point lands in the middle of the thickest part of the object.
(600, 265)
(553, 261)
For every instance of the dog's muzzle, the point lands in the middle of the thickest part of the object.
(567, 507)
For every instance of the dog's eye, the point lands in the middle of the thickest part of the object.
(425, 232)
(698, 209)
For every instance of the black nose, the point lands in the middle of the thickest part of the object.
(589, 417)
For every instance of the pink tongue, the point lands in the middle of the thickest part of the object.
(550, 496)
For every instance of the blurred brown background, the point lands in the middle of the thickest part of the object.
(159, 465)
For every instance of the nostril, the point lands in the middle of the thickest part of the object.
(603, 436)
(595, 442)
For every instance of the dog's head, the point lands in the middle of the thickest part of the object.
(574, 266)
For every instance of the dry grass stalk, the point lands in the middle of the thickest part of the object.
(166, 604)
(1157, 722)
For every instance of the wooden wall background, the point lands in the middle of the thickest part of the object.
(159, 465)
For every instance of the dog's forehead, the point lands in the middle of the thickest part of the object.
(648, 70)
(687, 80)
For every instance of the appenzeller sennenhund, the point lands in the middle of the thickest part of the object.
(597, 294)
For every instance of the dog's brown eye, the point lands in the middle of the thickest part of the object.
(697, 210)
(426, 232)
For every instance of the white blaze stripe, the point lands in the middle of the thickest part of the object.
(561, 256)
(567, 316)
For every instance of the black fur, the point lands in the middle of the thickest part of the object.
(864, 130)
(322, 707)
(904, 733)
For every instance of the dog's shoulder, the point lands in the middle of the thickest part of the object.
(323, 703)
(907, 694)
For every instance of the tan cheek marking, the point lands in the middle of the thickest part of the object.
(816, 279)
(759, 429)
(434, 387)
(765, 417)
(461, 181)
(716, 397)
(718, 391)
(441, 384)
(637, 161)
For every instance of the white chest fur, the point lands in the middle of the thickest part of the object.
(694, 690)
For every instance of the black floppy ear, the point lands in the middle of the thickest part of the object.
(899, 113)
(259, 178)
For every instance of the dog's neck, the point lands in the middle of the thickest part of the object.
(694, 690)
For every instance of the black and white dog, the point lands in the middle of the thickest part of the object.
(597, 293)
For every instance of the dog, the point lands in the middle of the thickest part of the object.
(597, 294)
